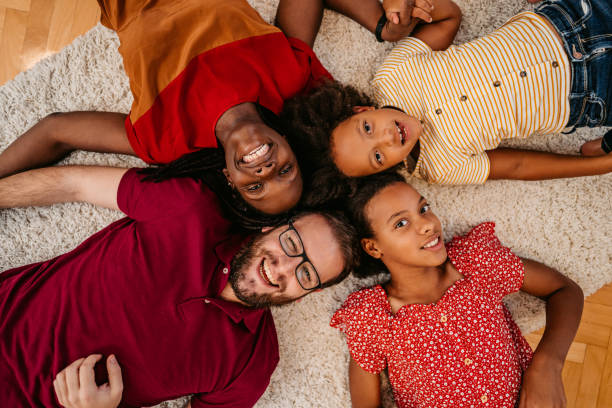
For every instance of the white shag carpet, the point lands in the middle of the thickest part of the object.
(563, 223)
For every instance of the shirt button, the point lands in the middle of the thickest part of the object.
(555, 64)
(484, 398)
(467, 361)
(496, 84)
(523, 74)
(443, 318)
(438, 111)
(225, 270)
(463, 98)
(206, 301)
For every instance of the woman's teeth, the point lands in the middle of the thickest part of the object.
(256, 153)
(432, 243)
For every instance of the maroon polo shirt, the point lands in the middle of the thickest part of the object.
(145, 288)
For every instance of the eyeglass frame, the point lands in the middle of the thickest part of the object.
(302, 255)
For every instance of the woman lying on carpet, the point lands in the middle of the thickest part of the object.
(204, 74)
(449, 110)
(439, 324)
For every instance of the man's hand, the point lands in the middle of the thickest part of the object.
(403, 16)
(542, 386)
(75, 385)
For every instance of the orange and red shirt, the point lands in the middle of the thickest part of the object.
(189, 61)
(463, 350)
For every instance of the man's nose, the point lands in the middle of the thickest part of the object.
(266, 169)
(287, 266)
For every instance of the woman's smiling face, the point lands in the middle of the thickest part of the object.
(373, 140)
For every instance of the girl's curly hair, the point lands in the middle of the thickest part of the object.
(309, 121)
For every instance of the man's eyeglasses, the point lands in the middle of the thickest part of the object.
(292, 245)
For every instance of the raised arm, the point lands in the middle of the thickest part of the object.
(364, 387)
(516, 164)
(60, 184)
(542, 383)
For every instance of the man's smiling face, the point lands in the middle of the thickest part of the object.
(264, 275)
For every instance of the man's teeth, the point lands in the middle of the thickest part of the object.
(256, 153)
(265, 271)
(432, 243)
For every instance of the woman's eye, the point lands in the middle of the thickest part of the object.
(367, 127)
(285, 170)
(401, 223)
(254, 187)
(378, 157)
(425, 208)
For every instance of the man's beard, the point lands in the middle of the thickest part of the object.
(238, 279)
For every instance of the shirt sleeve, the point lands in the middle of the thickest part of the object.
(483, 257)
(142, 199)
(317, 72)
(364, 330)
(474, 170)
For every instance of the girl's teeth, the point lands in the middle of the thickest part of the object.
(256, 153)
(432, 243)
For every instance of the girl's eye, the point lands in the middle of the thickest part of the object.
(367, 127)
(401, 223)
(378, 157)
(254, 187)
(285, 170)
(425, 208)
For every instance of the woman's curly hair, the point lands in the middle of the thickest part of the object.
(309, 120)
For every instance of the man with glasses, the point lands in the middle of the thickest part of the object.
(179, 299)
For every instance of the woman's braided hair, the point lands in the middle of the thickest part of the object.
(309, 121)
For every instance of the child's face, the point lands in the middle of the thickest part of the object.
(406, 231)
(373, 140)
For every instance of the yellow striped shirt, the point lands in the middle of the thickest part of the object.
(511, 83)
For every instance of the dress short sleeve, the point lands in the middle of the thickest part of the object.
(362, 319)
(480, 256)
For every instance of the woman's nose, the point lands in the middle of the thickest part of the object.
(265, 170)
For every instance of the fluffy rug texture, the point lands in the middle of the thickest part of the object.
(563, 223)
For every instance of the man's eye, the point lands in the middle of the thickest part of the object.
(378, 157)
(285, 170)
(401, 223)
(254, 187)
(367, 127)
(425, 208)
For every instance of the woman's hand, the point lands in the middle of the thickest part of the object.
(403, 16)
(543, 386)
(75, 385)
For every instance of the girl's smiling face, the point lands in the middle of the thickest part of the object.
(406, 231)
(373, 140)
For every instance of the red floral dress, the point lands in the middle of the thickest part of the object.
(462, 351)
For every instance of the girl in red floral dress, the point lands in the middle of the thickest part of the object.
(439, 324)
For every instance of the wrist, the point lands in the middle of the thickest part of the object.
(545, 361)
(382, 22)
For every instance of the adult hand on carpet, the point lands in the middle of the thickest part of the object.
(542, 386)
(403, 16)
(75, 385)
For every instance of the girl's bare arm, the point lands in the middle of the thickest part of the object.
(542, 382)
(517, 164)
(364, 386)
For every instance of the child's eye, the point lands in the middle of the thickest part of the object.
(378, 157)
(401, 223)
(425, 208)
(367, 127)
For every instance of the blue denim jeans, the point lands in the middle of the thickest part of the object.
(585, 27)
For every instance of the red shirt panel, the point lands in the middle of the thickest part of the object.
(144, 288)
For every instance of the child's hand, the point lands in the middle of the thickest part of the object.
(403, 16)
(542, 386)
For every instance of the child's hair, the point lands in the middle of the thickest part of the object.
(366, 189)
(309, 120)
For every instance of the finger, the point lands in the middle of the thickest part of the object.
(72, 379)
(392, 16)
(422, 14)
(87, 376)
(59, 385)
(424, 4)
(115, 379)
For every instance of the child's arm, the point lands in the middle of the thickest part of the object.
(364, 386)
(440, 33)
(516, 164)
(542, 384)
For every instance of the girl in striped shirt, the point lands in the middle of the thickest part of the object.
(542, 72)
